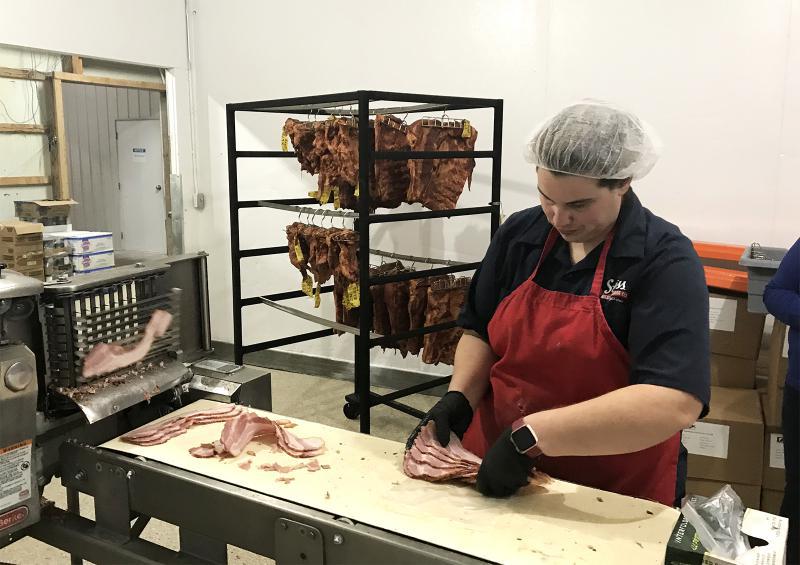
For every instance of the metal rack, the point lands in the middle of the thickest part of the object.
(359, 403)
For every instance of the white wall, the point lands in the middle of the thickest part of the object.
(146, 32)
(719, 80)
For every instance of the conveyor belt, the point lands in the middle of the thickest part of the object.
(560, 523)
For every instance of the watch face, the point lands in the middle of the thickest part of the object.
(523, 439)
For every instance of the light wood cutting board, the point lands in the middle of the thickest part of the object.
(559, 523)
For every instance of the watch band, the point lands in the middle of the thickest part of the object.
(534, 451)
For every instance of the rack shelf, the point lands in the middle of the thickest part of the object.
(360, 104)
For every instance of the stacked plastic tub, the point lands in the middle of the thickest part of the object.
(761, 263)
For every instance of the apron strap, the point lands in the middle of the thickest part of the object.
(597, 282)
(552, 237)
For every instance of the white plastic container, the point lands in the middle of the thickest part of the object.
(90, 262)
(82, 242)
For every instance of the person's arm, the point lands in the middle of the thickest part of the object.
(473, 362)
(782, 293)
(615, 423)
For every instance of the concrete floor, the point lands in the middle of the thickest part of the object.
(302, 396)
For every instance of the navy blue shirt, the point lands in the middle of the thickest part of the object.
(782, 299)
(655, 297)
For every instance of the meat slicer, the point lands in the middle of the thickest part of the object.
(46, 333)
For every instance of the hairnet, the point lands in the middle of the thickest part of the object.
(594, 139)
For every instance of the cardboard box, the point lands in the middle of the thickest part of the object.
(732, 372)
(771, 500)
(14, 233)
(83, 242)
(26, 262)
(33, 273)
(90, 262)
(46, 212)
(728, 445)
(684, 547)
(774, 474)
(750, 494)
(54, 246)
(734, 331)
(57, 228)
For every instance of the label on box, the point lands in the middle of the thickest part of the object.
(721, 314)
(15, 473)
(776, 451)
(710, 440)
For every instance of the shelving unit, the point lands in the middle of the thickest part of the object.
(335, 104)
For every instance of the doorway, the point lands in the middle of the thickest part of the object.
(141, 179)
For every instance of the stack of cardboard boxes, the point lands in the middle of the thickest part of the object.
(727, 446)
(66, 251)
(53, 216)
(21, 247)
(735, 443)
(89, 251)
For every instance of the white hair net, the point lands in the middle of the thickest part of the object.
(594, 139)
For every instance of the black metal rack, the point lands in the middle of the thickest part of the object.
(333, 104)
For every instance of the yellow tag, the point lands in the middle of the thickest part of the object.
(352, 297)
(467, 131)
(326, 194)
(314, 195)
(337, 203)
(356, 193)
(316, 296)
(284, 140)
(298, 252)
(307, 286)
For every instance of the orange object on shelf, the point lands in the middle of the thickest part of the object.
(720, 251)
(719, 277)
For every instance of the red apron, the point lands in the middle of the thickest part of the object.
(556, 349)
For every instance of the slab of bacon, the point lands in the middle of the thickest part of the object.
(244, 427)
(160, 433)
(428, 460)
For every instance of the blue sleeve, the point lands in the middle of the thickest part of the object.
(484, 291)
(782, 294)
(668, 338)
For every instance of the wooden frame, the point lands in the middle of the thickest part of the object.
(169, 220)
(59, 165)
(23, 128)
(24, 181)
(27, 74)
(107, 81)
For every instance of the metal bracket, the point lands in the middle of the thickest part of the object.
(113, 514)
(298, 543)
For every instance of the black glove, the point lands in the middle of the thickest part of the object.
(451, 414)
(504, 469)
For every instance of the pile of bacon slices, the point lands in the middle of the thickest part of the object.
(241, 426)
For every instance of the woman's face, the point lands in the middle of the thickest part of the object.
(577, 207)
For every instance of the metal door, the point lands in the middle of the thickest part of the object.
(141, 180)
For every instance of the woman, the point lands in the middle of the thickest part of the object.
(782, 299)
(585, 350)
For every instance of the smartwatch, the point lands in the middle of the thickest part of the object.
(524, 439)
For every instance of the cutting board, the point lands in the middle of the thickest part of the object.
(558, 523)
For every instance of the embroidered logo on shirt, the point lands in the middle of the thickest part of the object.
(615, 290)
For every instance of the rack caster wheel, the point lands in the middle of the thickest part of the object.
(351, 411)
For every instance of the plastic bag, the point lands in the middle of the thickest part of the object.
(718, 521)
